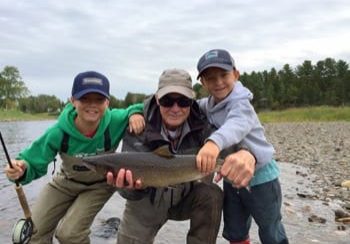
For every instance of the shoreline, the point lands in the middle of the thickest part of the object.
(313, 158)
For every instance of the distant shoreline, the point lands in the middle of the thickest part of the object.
(304, 114)
(15, 115)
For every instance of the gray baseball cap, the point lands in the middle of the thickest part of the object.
(175, 81)
(215, 58)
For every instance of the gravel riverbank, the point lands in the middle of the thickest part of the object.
(314, 159)
(324, 148)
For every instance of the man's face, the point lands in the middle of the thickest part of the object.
(219, 82)
(174, 109)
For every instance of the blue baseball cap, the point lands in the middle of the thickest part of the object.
(89, 82)
(215, 58)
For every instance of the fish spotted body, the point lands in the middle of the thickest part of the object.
(151, 168)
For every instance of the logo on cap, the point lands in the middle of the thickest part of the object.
(89, 82)
(92, 81)
(211, 54)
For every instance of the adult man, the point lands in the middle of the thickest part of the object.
(173, 119)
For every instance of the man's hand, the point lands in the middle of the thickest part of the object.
(239, 168)
(206, 157)
(123, 179)
(17, 171)
(136, 123)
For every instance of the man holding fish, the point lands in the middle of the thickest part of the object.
(173, 122)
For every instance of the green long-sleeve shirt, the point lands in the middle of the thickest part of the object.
(44, 149)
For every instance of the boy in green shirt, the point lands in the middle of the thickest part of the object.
(68, 204)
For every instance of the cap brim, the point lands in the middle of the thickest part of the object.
(86, 91)
(187, 92)
(226, 67)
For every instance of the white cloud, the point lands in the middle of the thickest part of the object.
(132, 41)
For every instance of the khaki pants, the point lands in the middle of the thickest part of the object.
(68, 209)
(142, 219)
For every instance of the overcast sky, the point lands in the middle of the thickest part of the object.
(133, 41)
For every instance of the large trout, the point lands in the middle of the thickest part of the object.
(157, 169)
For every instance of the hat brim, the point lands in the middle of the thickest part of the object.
(91, 90)
(226, 67)
(187, 92)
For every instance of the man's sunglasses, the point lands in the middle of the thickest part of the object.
(182, 102)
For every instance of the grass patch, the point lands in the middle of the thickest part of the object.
(321, 113)
(16, 115)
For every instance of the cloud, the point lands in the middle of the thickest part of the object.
(131, 42)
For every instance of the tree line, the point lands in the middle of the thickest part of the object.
(325, 83)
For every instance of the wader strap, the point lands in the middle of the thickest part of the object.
(54, 166)
(107, 140)
(152, 194)
(64, 143)
(183, 192)
(64, 149)
(172, 197)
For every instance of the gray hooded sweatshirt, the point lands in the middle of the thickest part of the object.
(237, 123)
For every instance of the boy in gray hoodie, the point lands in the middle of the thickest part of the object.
(228, 108)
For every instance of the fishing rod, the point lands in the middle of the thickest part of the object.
(23, 229)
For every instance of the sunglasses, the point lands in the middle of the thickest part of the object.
(182, 102)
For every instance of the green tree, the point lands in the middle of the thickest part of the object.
(342, 82)
(12, 87)
(116, 103)
(200, 91)
(255, 84)
(306, 90)
(330, 75)
(288, 80)
(40, 104)
(132, 98)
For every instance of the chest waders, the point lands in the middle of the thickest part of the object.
(73, 171)
(70, 201)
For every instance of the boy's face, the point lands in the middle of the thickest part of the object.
(219, 82)
(90, 107)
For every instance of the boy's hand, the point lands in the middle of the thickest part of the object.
(239, 168)
(17, 171)
(136, 123)
(206, 157)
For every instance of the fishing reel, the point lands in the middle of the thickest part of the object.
(22, 231)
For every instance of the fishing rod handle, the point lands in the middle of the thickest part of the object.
(23, 201)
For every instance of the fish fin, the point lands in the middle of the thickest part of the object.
(163, 151)
(90, 166)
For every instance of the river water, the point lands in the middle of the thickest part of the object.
(18, 135)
